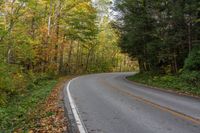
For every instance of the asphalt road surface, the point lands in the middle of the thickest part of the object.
(108, 103)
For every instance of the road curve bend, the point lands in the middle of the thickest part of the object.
(108, 103)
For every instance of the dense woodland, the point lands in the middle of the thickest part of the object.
(43, 39)
(160, 34)
(164, 36)
(40, 38)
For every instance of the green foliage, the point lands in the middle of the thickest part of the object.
(81, 25)
(16, 113)
(160, 34)
(184, 83)
(192, 63)
(191, 77)
(40, 39)
(191, 70)
(12, 81)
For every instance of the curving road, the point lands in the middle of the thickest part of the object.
(108, 103)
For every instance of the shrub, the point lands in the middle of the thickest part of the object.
(192, 63)
(191, 70)
(12, 81)
(191, 77)
(6, 84)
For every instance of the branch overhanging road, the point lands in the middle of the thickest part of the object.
(108, 103)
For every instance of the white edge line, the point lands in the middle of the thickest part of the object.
(77, 117)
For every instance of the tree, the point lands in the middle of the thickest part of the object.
(53, 37)
(159, 34)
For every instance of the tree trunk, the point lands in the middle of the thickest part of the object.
(189, 37)
(33, 28)
(77, 57)
(49, 18)
(141, 65)
(61, 59)
(175, 67)
(10, 27)
(69, 57)
(57, 30)
(87, 60)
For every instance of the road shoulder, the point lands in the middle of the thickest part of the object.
(52, 111)
(168, 90)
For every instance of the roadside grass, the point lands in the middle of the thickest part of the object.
(17, 113)
(51, 112)
(167, 82)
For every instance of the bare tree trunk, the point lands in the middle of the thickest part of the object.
(121, 65)
(33, 28)
(141, 65)
(77, 57)
(57, 31)
(175, 63)
(81, 60)
(49, 18)
(61, 59)
(87, 60)
(10, 27)
(189, 37)
(6, 14)
(70, 56)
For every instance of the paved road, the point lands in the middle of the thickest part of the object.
(108, 103)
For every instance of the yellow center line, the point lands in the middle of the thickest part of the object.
(163, 108)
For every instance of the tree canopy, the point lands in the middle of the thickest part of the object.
(51, 37)
(160, 34)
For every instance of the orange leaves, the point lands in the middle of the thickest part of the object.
(53, 120)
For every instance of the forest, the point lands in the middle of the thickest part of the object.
(43, 40)
(164, 36)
